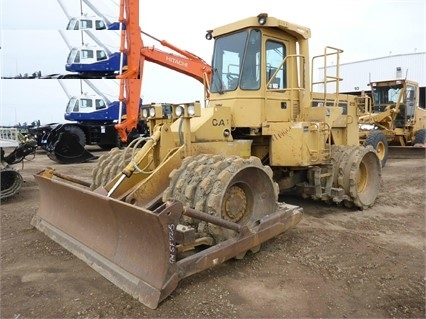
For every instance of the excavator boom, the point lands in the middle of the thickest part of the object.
(132, 44)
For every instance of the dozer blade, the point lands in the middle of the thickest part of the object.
(137, 249)
(68, 150)
(126, 244)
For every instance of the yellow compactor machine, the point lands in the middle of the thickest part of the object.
(204, 186)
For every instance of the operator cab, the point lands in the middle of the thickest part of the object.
(259, 70)
(237, 62)
(86, 55)
(93, 59)
(388, 94)
(91, 107)
(86, 22)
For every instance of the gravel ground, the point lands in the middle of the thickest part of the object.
(336, 263)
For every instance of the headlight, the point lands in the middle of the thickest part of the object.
(144, 113)
(261, 18)
(191, 110)
(152, 111)
(179, 111)
(209, 35)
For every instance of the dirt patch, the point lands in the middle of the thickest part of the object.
(336, 263)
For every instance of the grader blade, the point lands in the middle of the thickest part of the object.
(140, 250)
(407, 152)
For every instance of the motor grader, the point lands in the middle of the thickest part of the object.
(391, 120)
(205, 186)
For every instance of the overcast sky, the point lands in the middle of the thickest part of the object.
(30, 42)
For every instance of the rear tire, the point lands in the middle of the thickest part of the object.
(358, 171)
(379, 142)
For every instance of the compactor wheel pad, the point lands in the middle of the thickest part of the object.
(232, 188)
(109, 166)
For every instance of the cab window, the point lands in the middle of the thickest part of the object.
(85, 103)
(86, 54)
(275, 69)
(100, 25)
(86, 24)
(250, 74)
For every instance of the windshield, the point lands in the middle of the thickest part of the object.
(236, 62)
(385, 95)
(72, 24)
(74, 56)
(72, 105)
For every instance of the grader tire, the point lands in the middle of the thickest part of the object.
(109, 165)
(358, 172)
(232, 188)
(379, 142)
(420, 138)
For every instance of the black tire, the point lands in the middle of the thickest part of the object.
(420, 137)
(379, 142)
(11, 182)
(232, 188)
(78, 132)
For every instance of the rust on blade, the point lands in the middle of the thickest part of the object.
(130, 246)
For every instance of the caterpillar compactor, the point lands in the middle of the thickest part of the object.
(204, 187)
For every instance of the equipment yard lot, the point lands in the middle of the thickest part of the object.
(336, 263)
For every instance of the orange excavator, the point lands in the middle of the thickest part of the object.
(131, 79)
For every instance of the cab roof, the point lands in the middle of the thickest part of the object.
(295, 30)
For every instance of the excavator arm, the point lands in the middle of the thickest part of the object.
(186, 63)
(131, 79)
